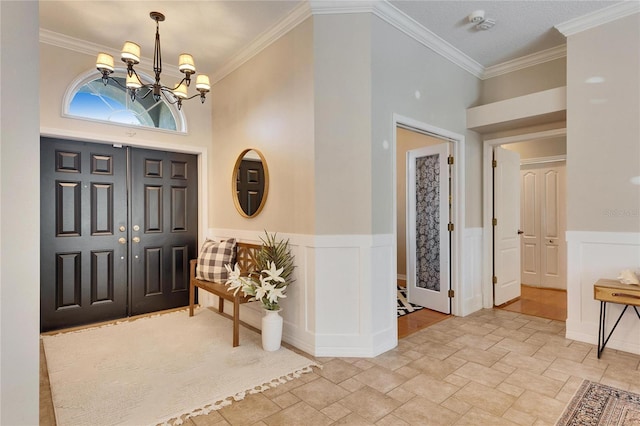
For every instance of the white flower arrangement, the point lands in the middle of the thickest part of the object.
(269, 285)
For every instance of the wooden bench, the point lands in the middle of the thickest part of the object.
(246, 259)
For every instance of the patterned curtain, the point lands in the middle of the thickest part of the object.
(428, 222)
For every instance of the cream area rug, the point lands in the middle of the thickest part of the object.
(160, 369)
(600, 405)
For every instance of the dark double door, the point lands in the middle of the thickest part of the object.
(118, 227)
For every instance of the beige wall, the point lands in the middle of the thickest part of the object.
(539, 148)
(603, 133)
(406, 140)
(537, 78)
(342, 94)
(20, 214)
(267, 104)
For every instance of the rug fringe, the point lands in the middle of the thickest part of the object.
(217, 405)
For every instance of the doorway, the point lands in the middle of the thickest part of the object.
(118, 227)
(540, 224)
(413, 128)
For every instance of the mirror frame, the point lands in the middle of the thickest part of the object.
(234, 188)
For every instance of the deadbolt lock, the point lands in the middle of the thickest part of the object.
(122, 228)
(122, 240)
(136, 228)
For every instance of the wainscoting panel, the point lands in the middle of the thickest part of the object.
(594, 255)
(471, 286)
(343, 300)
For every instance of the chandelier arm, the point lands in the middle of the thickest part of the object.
(173, 88)
(149, 90)
(171, 99)
(115, 80)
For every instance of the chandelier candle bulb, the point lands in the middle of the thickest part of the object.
(104, 62)
(130, 52)
(133, 82)
(186, 64)
(202, 83)
(181, 91)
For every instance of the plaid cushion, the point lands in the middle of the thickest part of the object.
(212, 258)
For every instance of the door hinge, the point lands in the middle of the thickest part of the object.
(450, 227)
(495, 279)
(450, 159)
(451, 294)
(494, 164)
(494, 221)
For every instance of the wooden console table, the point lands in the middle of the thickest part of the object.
(614, 291)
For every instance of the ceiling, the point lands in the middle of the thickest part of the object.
(215, 31)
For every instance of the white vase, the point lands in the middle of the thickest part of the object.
(271, 330)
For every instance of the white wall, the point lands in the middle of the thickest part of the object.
(19, 214)
(603, 155)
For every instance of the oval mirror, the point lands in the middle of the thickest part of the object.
(250, 182)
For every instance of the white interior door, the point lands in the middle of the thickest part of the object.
(543, 222)
(427, 227)
(530, 225)
(506, 190)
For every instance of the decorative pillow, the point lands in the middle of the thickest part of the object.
(212, 258)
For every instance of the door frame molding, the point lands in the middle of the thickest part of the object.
(487, 193)
(200, 151)
(458, 206)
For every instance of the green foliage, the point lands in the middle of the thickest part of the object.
(278, 252)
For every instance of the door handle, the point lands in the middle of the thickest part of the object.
(520, 232)
(122, 240)
(136, 239)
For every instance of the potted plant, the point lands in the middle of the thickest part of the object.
(268, 285)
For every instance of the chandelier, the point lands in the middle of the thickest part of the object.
(137, 89)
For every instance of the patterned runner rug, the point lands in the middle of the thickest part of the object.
(163, 368)
(404, 307)
(600, 405)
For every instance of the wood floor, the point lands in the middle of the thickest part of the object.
(540, 302)
(535, 301)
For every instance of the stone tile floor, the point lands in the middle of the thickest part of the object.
(493, 367)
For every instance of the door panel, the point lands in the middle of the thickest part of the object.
(428, 237)
(83, 267)
(553, 218)
(164, 207)
(506, 237)
(530, 226)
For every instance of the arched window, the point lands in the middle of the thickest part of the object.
(88, 97)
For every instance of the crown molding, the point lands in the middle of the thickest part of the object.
(294, 18)
(413, 29)
(92, 49)
(599, 17)
(525, 61)
(401, 21)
